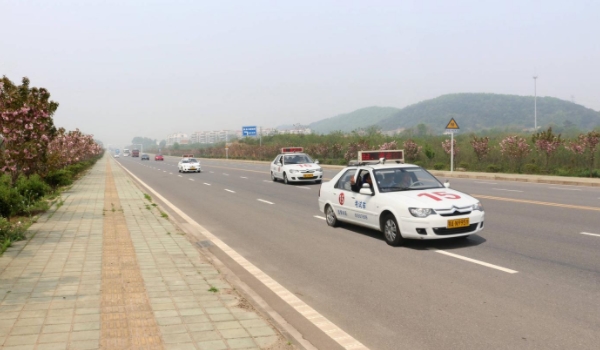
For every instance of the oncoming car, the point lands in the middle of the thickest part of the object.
(294, 166)
(403, 201)
(159, 157)
(189, 164)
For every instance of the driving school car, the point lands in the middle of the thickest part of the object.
(292, 165)
(189, 164)
(403, 201)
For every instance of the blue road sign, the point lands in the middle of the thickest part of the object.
(248, 130)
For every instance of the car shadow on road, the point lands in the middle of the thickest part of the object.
(417, 244)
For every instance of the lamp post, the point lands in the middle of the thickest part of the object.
(535, 102)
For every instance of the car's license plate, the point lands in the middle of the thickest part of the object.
(308, 175)
(456, 223)
(192, 168)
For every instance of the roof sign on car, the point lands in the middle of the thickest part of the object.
(396, 155)
(292, 149)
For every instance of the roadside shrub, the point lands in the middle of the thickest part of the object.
(58, 178)
(531, 169)
(76, 168)
(464, 165)
(439, 166)
(418, 162)
(493, 168)
(33, 187)
(11, 201)
(9, 232)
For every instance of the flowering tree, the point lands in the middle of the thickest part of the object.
(516, 148)
(389, 145)
(585, 142)
(546, 142)
(481, 147)
(354, 147)
(411, 150)
(447, 146)
(27, 127)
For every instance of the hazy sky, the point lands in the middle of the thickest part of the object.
(121, 69)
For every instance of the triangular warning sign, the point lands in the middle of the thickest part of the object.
(452, 125)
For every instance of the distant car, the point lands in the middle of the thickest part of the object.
(145, 157)
(116, 156)
(159, 157)
(189, 164)
(294, 166)
(404, 202)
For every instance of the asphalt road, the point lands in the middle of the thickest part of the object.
(532, 281)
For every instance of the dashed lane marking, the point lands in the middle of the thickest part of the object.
(243, 177)
(207, 184)
(487, 183)
(264, 201)
(304, 188)
(504, 269)
(504, 189)
(229, 191)
(320, 217)
(179, 175)
(590, 234)
(192, 180)
(564, 189)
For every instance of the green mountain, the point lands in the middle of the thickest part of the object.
(348, 122)
(476, 111)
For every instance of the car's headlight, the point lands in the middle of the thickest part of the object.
(293, 171)
(421, 212)
(319, 169)
(478, 206)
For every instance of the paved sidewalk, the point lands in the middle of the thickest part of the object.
(107, 270)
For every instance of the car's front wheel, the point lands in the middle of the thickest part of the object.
(391, 231)
(285, 179)
(273, 178)
(330, 216)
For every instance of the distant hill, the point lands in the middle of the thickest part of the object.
(476, 111)
(360, 118)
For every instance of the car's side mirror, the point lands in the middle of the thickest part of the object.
(447, 184)
(316, 161)
(366, 189)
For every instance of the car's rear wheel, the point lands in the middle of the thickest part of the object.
(273, 178)
(391, 231)
(285, 179)
(330, 216)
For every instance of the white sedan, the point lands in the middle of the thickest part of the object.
(404, 201)
(189, 164)
(296, 167)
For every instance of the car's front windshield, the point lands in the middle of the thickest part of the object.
(405, 179)
(193, 160)
(297, 159)
(185, 161)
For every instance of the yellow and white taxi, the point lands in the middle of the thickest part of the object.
(189, 164)
(403, 201)
(292, 165)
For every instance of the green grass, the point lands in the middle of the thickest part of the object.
(7, 243)
(213, 289)
(147, 196)
(164, 215)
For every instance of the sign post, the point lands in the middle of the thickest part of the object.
(248, 130)
(451, 128)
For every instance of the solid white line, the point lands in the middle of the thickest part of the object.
(590, 234)
(564, 189)
(489, 183)
(300, 306)
(503, 189)
(320, 217)
(229, 191)
(475, 261)
(207, 184)
(191, 179)
(264, 201)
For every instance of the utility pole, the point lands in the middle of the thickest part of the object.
(535, 102)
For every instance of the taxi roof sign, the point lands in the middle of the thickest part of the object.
(389, 155)
(452, 125)
(292, 149)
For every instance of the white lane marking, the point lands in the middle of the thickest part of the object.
(504, 189)
(229, 191)
(179, 175)
(489, 183)
(192, 180)
(243, 177)
(564, 189)
(264, 201)
(475, 261)
(304, 188)
(333, 331)
(170, 173)
(590, 234)
(207, 184)
(164, 171)
(320, 217)
(225, 174)
(268, 181)
(212, 172)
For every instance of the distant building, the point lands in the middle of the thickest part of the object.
(178, 137)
